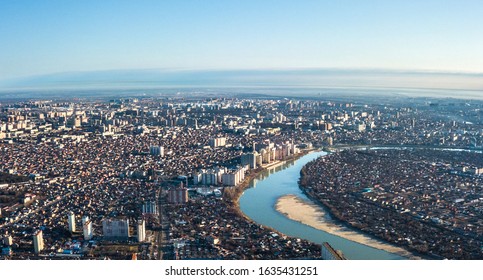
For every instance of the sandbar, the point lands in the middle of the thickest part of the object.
(311, 214)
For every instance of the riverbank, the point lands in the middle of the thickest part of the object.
(313, 215)
(235, 193)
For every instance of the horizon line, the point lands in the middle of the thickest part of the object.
(282, 69)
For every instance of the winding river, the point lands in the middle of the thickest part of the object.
(258, 203)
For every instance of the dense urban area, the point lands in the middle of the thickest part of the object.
(428, 201)
(160, 177)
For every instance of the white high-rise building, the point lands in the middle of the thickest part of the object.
(217, 142)
(38, 241)
(71, 221)
(234, 177)
(141, 231)
(7, 240)
(87, 229)
(156, 151)
(85, 219)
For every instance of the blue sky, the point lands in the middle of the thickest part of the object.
(42, 37)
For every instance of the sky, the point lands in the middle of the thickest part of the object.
(56, 36)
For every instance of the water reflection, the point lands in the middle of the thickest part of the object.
(258, 204)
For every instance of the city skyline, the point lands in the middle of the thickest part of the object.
(199, 177)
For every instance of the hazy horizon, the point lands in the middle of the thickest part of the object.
(261, 78)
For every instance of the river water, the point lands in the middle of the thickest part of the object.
(258, 203)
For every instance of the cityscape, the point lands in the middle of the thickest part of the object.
(160, 178)
(241, 139)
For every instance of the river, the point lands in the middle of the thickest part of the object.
(258, 203)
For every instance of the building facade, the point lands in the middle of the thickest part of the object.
(87, 230)
(150, 208)
(156, 151)
(71, 221)
(178, 195)
(217, 142)
(38, 241)
(115, 228)
(141, 231)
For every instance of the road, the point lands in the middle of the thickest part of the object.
(160, 235)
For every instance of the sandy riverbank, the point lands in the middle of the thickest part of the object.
(313, 215)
